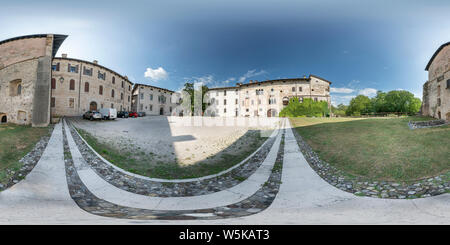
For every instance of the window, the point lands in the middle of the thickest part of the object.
(439, 90)
(272, 101)
(113, 80)
(448, 84)
(55, 67)
(170, 109)
(86, 87)
(439, 102)
(15, 87)
(151, 96)
(236, 101)
(128, 98)
(225, 110)
(123, 84)
(52, 102)
(72, 84)
(71, 102)
(53, 83)
(73, 69)
(151, 107)
(142, 96)
(315, 99)
(100, 90)
(259, 102)
(101, 75)
(141, 106)
(129, 87)
(87, 72)
(112, 105)
(112, 93)
(121, 96)
(224, 93)
(300, 89)
(224, 102)
(217, 93)
(293, 89)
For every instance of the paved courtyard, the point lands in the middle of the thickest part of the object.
(187, 140)
(49, 195)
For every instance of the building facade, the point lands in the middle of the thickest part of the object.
(154, 100)
(265, 98)
(78, 86)
(436, 91)
(25, 78)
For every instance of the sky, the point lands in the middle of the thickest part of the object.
(360, 46)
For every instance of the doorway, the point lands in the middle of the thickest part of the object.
(93, 106)
(161, 111)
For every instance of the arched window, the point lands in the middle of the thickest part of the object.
(121, 96)
(72, 84)
(113, 80)
(15, 87)
(86, 87)
(53, 83)
(100, 90)
(112, 93)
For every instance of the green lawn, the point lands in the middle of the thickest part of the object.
(378, 148)
(147, 164)
(15, 142)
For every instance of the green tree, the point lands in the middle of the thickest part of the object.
(190, 89)
(402, 101)
(308, 107)
(359, 105)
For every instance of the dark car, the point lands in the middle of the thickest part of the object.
(123, 114)
(141, 114)
(133, 114)
(92, 115)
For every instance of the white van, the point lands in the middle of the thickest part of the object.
(109, 113)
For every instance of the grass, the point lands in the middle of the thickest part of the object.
(15, 142)
(147, 164)
(378, 148)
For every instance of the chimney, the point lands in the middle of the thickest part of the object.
(64, 55)
(95, 62)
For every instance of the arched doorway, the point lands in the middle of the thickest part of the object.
(93, 106)
(161, 111)
(4, 119)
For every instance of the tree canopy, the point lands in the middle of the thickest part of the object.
(308, 108)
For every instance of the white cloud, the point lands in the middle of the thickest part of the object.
(369, 92)
(342, 90)
(251, 73)
(156, 74)
(341, 99)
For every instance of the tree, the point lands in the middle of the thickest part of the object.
(359, 105)
(402, 101)
(190, 89)
(308, 107)
(339, 110)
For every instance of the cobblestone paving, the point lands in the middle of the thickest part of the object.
(29, 161)
(170, 189)
(380, 189)
(90, 203)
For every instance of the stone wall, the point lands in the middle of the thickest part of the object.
(75, 100)
(25, 80)
(435, 90)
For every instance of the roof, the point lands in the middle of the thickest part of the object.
(140, 84)
(435, 54)
(57, 40)
(92, 63)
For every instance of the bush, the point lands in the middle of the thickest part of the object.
(308, 108)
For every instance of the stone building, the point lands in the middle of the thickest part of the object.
(154, 100)
(78, 86)
(436, 91)
(25, 77)
(265, 98)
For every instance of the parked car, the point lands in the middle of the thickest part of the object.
(122, 114)
(133, 114)
(109, 113)
(141, 114)
(92, 115)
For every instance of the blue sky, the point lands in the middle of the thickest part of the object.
(361, 46)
